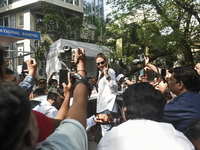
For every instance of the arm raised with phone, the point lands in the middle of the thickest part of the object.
(78, 110)
(71, 133)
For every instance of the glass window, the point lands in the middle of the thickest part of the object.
(77, 2)
(10, 1)
(4, 21)
(20, 21)
(1, 21)
(6, 24)
(69, 1)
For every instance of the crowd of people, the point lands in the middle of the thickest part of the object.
(150, 118)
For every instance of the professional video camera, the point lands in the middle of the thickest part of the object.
(69, 54)
(138, 61)
(67, 59)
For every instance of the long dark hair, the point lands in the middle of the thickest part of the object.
(100, 55)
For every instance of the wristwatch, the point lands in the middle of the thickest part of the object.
(108, 78)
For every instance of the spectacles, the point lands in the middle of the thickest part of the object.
(100, 63)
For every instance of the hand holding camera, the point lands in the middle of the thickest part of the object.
(140, 59)
(79, 59)
(30, 67)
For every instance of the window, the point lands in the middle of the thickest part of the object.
(20, 21)
(4, 21)
(20, 53)
(3, 3)
(1, 21)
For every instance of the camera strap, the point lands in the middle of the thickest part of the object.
(79, 79)
(82, 79)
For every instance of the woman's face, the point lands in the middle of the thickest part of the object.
(100, 63)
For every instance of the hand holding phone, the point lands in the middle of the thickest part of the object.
(63, 77)
(142, 73)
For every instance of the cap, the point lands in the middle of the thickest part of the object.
(41, 81)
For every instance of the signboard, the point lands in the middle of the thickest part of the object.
(18, 33)
(119, 47)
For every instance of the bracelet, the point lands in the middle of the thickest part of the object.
(83, 71)
(82, 79)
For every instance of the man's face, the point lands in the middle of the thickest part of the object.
(197, 68)
(173, 85)
(53, 83)
(43, 85)
(58, 102)
(3, 68)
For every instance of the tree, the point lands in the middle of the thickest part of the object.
(59, 24)
(165, 27)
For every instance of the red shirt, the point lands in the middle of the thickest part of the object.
(45, 125)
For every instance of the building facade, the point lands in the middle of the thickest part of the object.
(24, 14)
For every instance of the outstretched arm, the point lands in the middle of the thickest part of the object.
(151, 66)
(53, 73)
(78, 110)
(28, 83)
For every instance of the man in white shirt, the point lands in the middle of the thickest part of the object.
(143, 108)
(51, 106)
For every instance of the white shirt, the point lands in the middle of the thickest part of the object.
(50, 111)
(90, 122)
(70, 135)
(107, 93)
(46, 108)
(141, 134)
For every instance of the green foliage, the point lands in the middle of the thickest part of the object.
(164, 30)
(60, 25)
(40, 51)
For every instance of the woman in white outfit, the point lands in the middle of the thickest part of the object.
(107, 89)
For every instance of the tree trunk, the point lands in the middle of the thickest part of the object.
(188, 56)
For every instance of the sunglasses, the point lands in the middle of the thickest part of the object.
(42, 81)
(100, 63)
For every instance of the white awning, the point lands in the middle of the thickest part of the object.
(91, 50)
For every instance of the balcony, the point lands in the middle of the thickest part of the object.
(4, 3)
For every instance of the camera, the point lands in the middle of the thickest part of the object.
(120, 78)
(138, 61)
(69, 54)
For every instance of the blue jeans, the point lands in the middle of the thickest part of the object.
(106, 128)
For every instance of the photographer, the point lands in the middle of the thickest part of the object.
(24, 134)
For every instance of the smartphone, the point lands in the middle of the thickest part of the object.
(63, 77)
(163, 72)
(134, 78)
(142, 72)
(24, 67)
